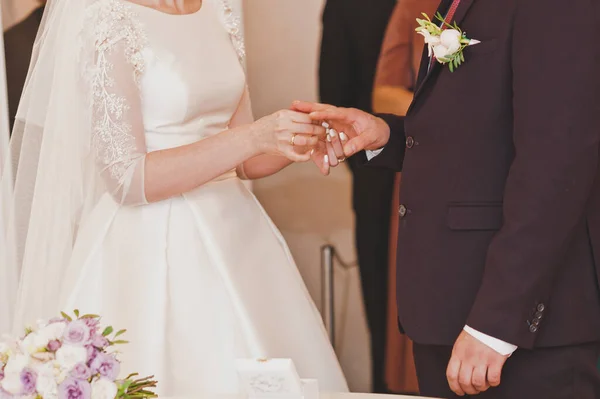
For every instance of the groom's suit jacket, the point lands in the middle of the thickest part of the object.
(500, 217)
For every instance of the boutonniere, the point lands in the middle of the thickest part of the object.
(446, 43)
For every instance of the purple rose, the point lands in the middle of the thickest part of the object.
(74, 389)
(107, 366)
(77, 333)
(91, 354)
(53, 346)
(81, 372)
(92, 324)
(28, 379)
(99, 341)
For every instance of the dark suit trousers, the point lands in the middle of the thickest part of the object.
(372, 197)
(548, 373)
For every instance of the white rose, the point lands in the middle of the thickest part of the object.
(11, 383)
(104, 389)
(441, 52)
(450, 38)
(428, 37)
(54, 331)
(41, 324)
(16, 364)
(46, 384)
(430, 40)
(69, 356)
(33, 343)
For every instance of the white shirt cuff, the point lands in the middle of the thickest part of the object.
(503, 348)
(373, 154)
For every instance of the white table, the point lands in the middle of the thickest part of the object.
(366, 396)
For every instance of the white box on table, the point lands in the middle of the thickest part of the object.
(274, 379)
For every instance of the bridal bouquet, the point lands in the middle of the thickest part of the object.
(68, 358)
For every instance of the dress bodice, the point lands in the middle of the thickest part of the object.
(158, 81)
(193, 80)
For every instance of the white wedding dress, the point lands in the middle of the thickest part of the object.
(204, 278)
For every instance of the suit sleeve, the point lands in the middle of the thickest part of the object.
(336, 62)
(555, 64)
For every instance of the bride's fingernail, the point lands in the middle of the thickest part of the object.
(333, 133)
(326, 160)
(312, 152)
(325, 125)
(343, 136)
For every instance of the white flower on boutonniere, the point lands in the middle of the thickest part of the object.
(446, 45)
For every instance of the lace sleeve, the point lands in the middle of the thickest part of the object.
(118, 139)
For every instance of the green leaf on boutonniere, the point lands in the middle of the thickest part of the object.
(107, 331)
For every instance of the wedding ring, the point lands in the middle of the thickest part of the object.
(342, 159)
(293, 140)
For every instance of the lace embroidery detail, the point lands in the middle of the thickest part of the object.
(233, 25)
(114, 23)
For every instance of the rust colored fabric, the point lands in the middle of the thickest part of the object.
(400, 373)
(402, 47)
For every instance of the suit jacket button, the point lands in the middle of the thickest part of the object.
(539, 315)
(535, 322)
(541, 307)
(410, 142)
(402, 211)
(533, 328)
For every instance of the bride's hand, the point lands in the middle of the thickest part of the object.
(287, 133)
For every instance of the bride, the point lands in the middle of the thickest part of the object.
(132, 136)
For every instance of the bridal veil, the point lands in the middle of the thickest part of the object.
(49, 182)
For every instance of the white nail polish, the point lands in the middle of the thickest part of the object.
(325, 125)
(343, 136)
(333, 133)
(326, 160)
(329, 137)
(312, 152)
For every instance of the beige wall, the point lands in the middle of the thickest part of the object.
(283, 41)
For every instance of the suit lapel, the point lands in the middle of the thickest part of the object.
(425, 72)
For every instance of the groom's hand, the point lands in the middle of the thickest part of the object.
(363, 130)
(474, 366)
